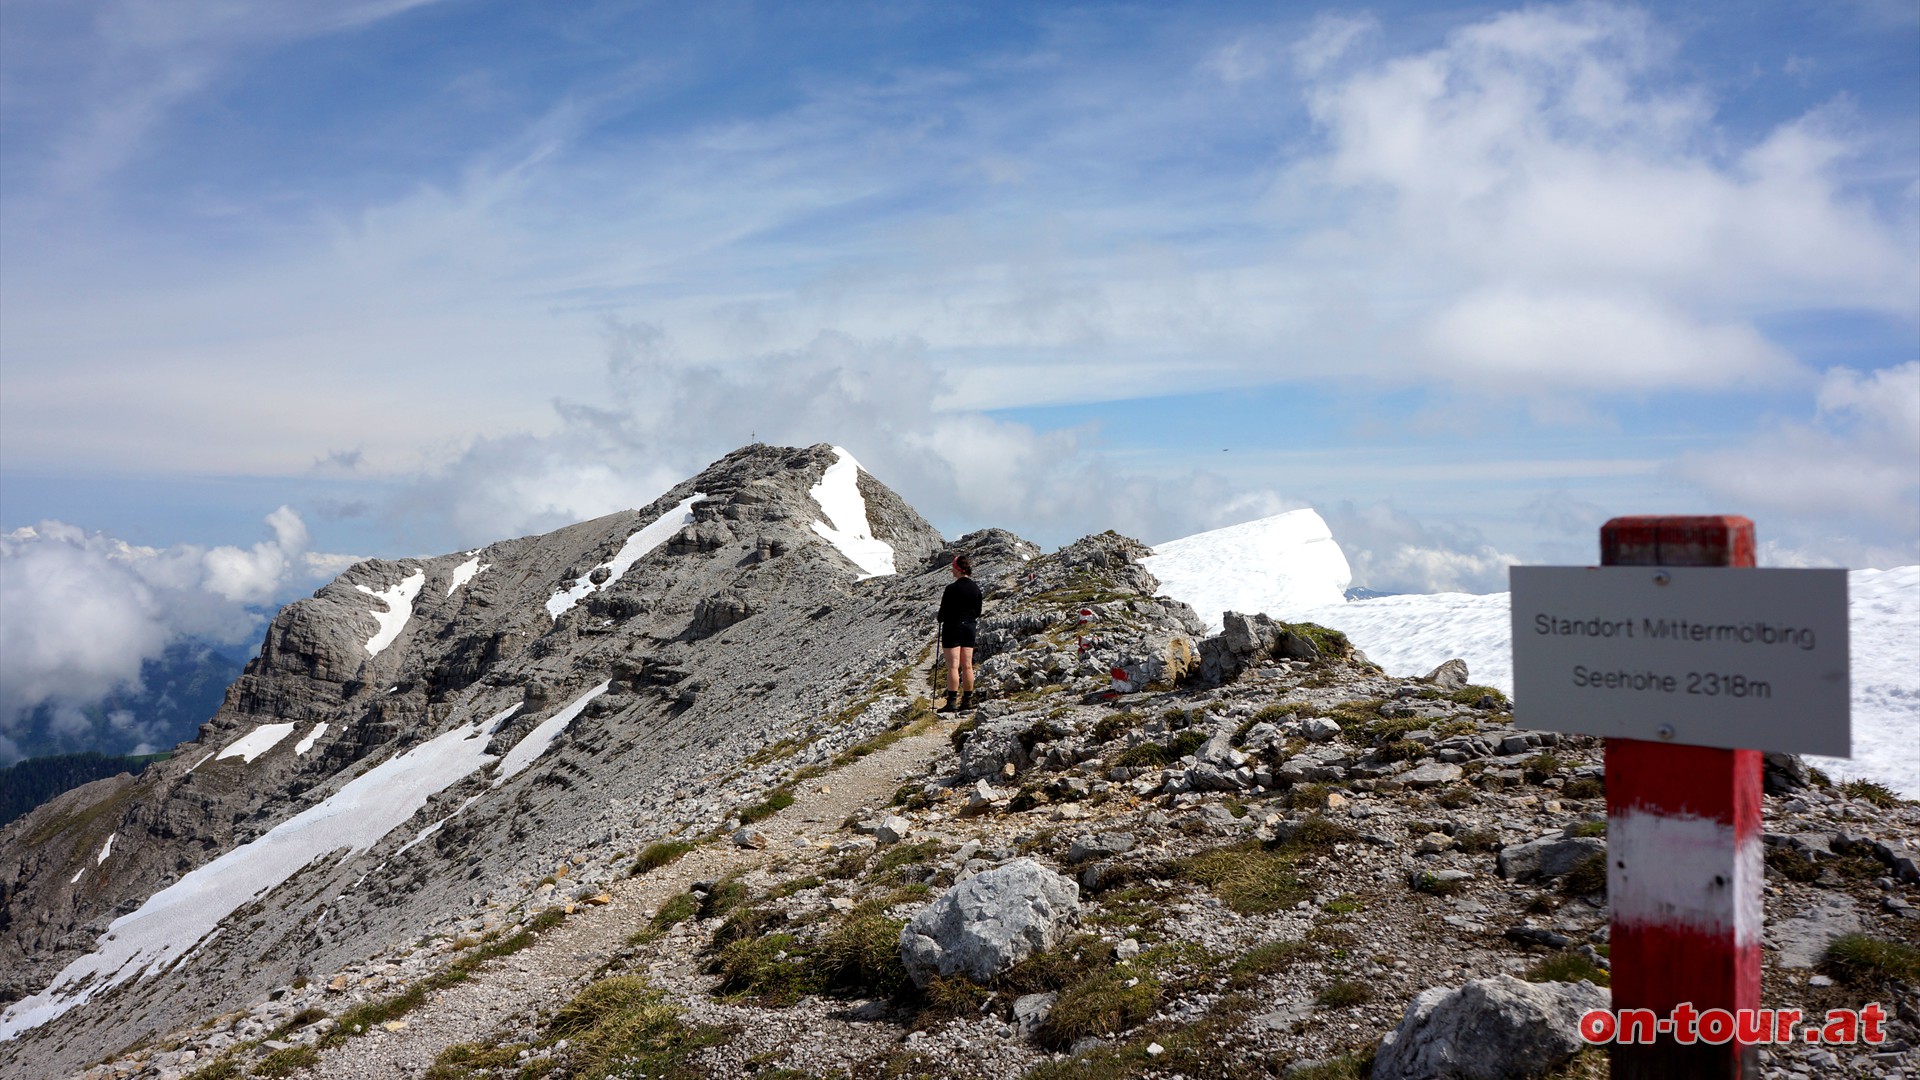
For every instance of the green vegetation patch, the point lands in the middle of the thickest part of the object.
(778, 800)
(1585, 787)
(1869, 962)
(727, 893)
(1869, 791)
(900, 856)
(1471, 695)
(1589, 878)
(1114, 725)
(622, 1026)
(773, 970)
(658, 854)
(1104, 1003)
(1261, 961)
(287, 1062)
(1568, 967)
(1317, 833)
(676, 910)
(1344, 994)
(1541, 767)
(1790, 864)
(862, 953)
(224, 1067)
(1246, 877)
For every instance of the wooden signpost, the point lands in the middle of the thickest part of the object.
(1660, 658)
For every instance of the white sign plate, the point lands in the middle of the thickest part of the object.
(1710, 656)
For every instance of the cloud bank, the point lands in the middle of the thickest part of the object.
(81, 611)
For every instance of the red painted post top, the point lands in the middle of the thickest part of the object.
(1710, 540)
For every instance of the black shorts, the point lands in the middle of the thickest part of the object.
(957, 635)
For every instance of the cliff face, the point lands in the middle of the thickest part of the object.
(422, 733)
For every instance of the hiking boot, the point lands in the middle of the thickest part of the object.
(952, 704)
(966, 701)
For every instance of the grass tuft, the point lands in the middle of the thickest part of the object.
(1869, 791)
(621, 1026)
(1104, 1003)
(1246, 878)
(1587, 879)
(287, 1062)
(1343, 995)
(1568, 967)
(1862, 961)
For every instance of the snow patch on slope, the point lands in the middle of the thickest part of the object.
(176, 919)
(466, 572)
(256, 742)
(635, 549)
(846, 527)
(300, 748)
(399, 601)
(1277, 565)
(536, 741)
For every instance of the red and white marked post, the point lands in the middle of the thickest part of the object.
(1685, 865)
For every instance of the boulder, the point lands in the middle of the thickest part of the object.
(1451, 675)
(1431, 774)
(1319, 728)
(1100, 846)
(1213, 778)
(986, 924)
(1783, 774)
(1030, 1011)
(1487, 1029)
(1548, 857)
(1218, 751)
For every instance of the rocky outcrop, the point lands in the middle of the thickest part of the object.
(1488, 1029)
(985, 925)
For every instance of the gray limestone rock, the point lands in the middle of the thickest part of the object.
(1487, 1029)
(1432, 773)
(990, 922)
(1803, 939)
(1032, 1010)
(1451, 675)
(1100, 846)
(1547, 857)
(1319, 728)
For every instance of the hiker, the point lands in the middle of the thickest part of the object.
(959, 607)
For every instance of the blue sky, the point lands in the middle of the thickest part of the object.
(1469, 279)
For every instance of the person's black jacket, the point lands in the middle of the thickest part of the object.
(961, 601)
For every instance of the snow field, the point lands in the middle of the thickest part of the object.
(1274, 564)
(256, 742)
(399, 601)
(846, 527)
(635, 549)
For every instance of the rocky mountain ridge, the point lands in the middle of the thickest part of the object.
(1243, 854)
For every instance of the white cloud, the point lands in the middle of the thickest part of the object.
(1539, 188)
(663, 417)
(1594, 342)
(80, 611)
(1392, 551)
(1858, 457)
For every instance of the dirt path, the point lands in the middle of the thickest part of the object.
(510, 990)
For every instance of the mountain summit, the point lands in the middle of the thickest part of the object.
(605, 683)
